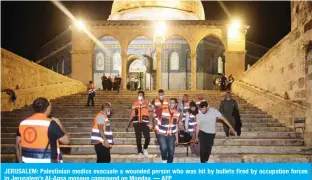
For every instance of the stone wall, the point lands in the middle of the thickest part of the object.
(308, 134)
(283, 110)
(281, 70)
(301, 13)
(33, 81)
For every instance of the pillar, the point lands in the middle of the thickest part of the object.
(82, 66)
(193, 70)
(158, 68)
(308, 117)
(124, 63)
(235, 63)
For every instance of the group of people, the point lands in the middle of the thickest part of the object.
(109, 83)
(167, 117)
(133, 82)
(223, 83)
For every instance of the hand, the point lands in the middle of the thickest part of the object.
(232, 131)
(176, 142)
(127, 129)
(196, 140)
(150, 125)
(106, 144)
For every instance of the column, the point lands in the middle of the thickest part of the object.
(235, 63)
(124, 73)
(193, 70)
(158, 68)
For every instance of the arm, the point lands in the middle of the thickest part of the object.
(65, 138)
(18, 150)
(130, 119)
(177, 133)
(187, 120)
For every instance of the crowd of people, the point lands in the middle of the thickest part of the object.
(109, 83)
(222, 82)
(168, 118)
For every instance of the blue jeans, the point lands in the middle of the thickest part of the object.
(167, 146)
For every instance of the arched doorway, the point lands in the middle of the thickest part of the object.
(176, 64)
(106, 60)
(140, 53)
(210, 61)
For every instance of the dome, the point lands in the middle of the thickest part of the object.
(157, 10)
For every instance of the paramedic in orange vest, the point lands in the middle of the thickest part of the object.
(38, 136)
(183, 107)
(199, 99)
(159, 103)
(102, 135)
(91, 93)
(166, 131)
(140, 117)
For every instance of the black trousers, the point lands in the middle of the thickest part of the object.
(102, 153)
(140, 128)
(206, 142)
(91, 99)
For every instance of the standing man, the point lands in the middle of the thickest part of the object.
(91, 95)
(230, 82)
(118, 82)
(102, 135)
(104, 78)
(166, 131)
(206, 131)
(140, 117)
(38, 137)
(159, 103)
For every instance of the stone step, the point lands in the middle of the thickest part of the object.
(154, 149)
(125, 124)
(125, 120)
(255, 135)
(218, 141)
(182, 158)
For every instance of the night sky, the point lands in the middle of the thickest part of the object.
(26, 26)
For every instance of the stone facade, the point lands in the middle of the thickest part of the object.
(308, 134)
(33, 81)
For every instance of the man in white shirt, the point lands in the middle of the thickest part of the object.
(206, 129)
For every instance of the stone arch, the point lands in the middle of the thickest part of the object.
(135, 36)
(211, 34)
(181, 35)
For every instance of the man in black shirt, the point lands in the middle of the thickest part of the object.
(38, 137)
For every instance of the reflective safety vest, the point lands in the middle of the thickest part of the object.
(186, 107)
(96, 136)
(91, 89)
(198, 101)
(192, 123)
(35, 140)
(168, 123)
(158, 103)
(142, 112)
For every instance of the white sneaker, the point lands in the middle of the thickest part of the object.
(145, 152)
(140, 155)
(164, 161)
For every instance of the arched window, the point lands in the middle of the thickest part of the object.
(117, 62)
(63, 65)
(174, 61)
(154, 61)
(220, 65)
(99, 60)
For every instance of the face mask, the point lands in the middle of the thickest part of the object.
(140, 98)
(108, 113)
(172, 106)
(161, 97)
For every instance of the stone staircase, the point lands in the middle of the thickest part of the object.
(263, 138)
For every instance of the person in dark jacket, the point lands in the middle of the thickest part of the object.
(104, 78)
(228, 106)
(223, 83)
(230, 82)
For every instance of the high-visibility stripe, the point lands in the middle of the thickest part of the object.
(35, 160)
(192, 123)
(105, 132)
(35, 123)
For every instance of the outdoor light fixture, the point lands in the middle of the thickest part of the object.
(233, 30)
(80, 25)
(160, 33)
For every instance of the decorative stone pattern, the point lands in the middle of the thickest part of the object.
(33, 81)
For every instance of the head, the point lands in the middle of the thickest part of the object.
(200, 96)
(42, 105)
(161, 94)
(193, 107)
(228, 96)
(173, 103)
(90, 82)
(185, 97)
(107, 108)
(203, 107)
(141, 95)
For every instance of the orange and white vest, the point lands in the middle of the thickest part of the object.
(91, 89)
(158, 103)
(168, 123)
(34, 140)
(96, 136)
(198, 101)
(192, 123)
(186, 107)
(142, 112)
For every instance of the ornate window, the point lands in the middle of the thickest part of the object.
(99, 61)
(220, 65)
(117, 62)
(174, 61)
